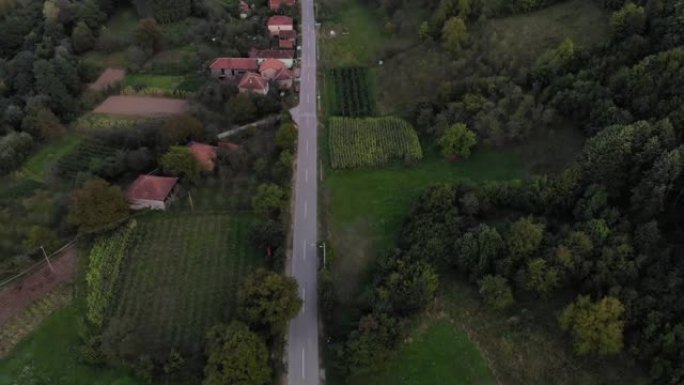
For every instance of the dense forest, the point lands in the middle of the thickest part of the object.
(602, 238)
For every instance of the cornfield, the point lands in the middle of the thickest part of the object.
(350, 93)
(371, 142)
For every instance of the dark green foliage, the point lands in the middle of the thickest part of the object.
(15, 147)
(237, 356)
(351, 92)
(97, 206)
(164, 11)
(180, 161)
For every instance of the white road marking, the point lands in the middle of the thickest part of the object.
(306, 208)
(303, 374)
(307, 146)
(304, 250)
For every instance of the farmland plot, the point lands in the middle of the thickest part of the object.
(371, 142)
(181, 277)
(350, 92)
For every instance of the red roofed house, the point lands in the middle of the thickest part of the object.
(252, 82)
(232, 67)
(275, 4)
(286, 39)
(152, 192)
(273, 69)
(205, 155)
(279, 23)
(284, 55)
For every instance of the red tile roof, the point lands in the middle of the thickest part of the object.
(236, 63)
(253, 82)
(150, 187)
(286, 43)
(284, 74)
(289, 34)
(279, 20)
(271, 53)
(205, 154)
(274, 4)
(271, 64)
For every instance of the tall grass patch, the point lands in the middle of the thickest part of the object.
(371, 142)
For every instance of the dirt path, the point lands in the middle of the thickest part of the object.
(16, 297)
(110, 77)
(142, 106)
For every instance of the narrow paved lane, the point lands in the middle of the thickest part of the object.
(302, 349)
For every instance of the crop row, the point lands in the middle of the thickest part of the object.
(368, 142)
(352, 94)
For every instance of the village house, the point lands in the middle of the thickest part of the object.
(279, 23)
(286, 56)
(151, 192)
(275, 70)
(232, 67)
(273, 5)
(253, 82)
(205, 155)
(286, 39)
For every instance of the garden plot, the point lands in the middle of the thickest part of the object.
(371, 142)
(142, 106)
(349, 92)
(181, 277)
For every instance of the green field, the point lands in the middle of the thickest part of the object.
(371, 142)
(365, 208)
(52, 356)
(182, 275)
(349, 92)
(438, 354)
(38, 166)
(166, 82)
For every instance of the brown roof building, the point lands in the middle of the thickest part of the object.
(275, 4)
(253, 82)
(205, 155)
(150, 191)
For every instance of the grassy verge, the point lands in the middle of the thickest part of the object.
(38, 166)
(51, 356)
(182, 277)
(438, 353)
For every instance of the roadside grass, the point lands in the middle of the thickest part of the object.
(38, 166)
(364, 209)
(526, 36)
(167, 82)
(437, 353)
(51, 356)
(182, 275)
(526, 347)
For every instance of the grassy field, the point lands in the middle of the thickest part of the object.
(38, 166)
(51, 356)
(531, 350)
(181, 277)
(526, 36)
(365, 208)
(167, 82)
(211, 195)
(437, 354)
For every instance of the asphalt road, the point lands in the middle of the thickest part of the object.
(302, 348)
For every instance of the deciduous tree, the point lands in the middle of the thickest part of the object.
(235, 355)
(496, 292)
(180, 161)
(456, 141)
(97, 205)
(596, 326)
(268, 300)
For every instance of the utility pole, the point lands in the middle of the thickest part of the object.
(47, 259)
(322, 245)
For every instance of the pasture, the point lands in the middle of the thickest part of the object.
(39, 165)
(349, 92)
(181, 277)
(166, 82)
(369, 142)
(437, 353)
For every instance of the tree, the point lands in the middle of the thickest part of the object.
(43, 124)
(267, 301)
(286, 137)
(541, 278)
(424, 31)
(454, 34)
(82, 38)
(180, 161)
(405, 286)
(97, 205)
(268, 199)
(524, 237)
(41, 236)
(148, 35)
(596, 326)
(236, 356)
(457, 141)
(241, 108)
(630, 19)
(496, 292)
(182, 128)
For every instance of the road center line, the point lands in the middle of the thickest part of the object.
(304, 250)
(303, 373)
